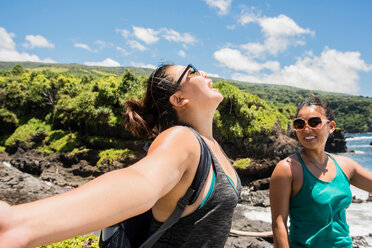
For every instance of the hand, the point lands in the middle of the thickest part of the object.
(10, 237)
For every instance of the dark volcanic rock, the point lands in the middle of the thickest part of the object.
(241, 223)
(254, 198)
(275, 146)
(17, 187)
(336, 142)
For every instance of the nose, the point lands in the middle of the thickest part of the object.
(203, 74)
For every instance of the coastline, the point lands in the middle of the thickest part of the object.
(39, 178)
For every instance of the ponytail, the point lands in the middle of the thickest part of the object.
(155, 113)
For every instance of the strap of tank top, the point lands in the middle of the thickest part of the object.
(191, 195)
(203, 167)
(301, 160)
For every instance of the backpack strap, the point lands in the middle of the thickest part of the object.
(192, 192)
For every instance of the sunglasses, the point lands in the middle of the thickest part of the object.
(313, 122)
(193, 73)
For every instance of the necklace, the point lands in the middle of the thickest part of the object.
(324, 165)
(322, 168)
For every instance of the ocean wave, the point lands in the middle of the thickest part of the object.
(353, 146)
(359, 138)
(359, 152)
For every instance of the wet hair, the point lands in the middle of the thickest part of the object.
(313, 100)
(154, 113)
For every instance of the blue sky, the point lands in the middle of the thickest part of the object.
(318, 44)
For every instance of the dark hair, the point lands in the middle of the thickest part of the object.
(154, 113)
(313, 100)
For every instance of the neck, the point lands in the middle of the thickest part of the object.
(201, 123)
(315, 156)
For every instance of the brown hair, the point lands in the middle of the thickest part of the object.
(154, 113)
(313, 100)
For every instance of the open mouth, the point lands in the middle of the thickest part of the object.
(309, 138)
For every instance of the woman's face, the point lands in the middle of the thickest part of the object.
(198, 88)
(314, 137)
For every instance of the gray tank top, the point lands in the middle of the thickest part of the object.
(208, 226)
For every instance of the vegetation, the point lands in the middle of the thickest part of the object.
(110, 155)
(242, 163)
(89, 241)
(353, 113)
(242, 114)
(65, 108)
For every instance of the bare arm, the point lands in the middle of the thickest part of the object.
(280, 192)
(106, 200)
(359, 177)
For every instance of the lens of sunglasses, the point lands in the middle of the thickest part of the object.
(299, 123)
(193, 72)
(313, 122)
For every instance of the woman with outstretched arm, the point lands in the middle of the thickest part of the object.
(175, 94)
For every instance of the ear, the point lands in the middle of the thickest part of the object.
(177, 101)
(332, 126)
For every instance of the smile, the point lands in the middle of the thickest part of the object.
(309, 137)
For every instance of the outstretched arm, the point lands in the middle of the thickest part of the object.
(359, 177)
(280, 192)
(106, 200)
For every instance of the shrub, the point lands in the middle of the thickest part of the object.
(111, 155)
(89, 241)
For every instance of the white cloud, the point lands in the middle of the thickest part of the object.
(37, 41)
(136, 45)
(103, 44)
(124, 32)
(123, 51)
(281, 26)
(6, 40)
(333, 71)
(182, 53)
(222, 5)
(150, 36)
(107, 62)
(235, 60)
(213, 75)
(147, 35)
(84, 46)
(172, 35)
(280, 33)
(8, 51)
(142, 65)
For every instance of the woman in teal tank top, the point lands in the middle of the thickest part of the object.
(312, 187)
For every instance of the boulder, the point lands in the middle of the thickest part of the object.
(336, 142)
(17, 187)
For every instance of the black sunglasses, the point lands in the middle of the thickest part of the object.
(193, 73)
(313, 122)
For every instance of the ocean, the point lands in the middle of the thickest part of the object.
(359, 215)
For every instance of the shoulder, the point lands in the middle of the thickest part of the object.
(177, 138)
(342, 159)
(287, 167)
(347, 164)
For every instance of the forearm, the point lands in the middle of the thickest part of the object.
(102, 202)
(280, 235)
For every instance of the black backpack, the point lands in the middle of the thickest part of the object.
(134, 232)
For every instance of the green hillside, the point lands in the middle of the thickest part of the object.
(353, 113)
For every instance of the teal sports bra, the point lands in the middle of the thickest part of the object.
(317, 212)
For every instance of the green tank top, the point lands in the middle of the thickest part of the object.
(317, 213)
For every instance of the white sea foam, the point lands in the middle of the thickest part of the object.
(358, 138)
(354, 146)
(359, 152)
